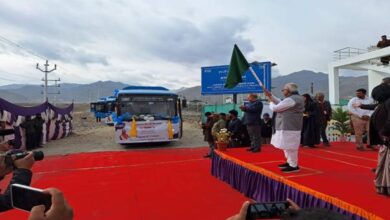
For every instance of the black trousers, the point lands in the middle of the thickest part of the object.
(38, 139)
(30, 141)
(254, 132)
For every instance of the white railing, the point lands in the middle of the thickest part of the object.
(348, 52)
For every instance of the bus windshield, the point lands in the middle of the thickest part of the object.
(100, 107)
(110, 106)
(155, 105)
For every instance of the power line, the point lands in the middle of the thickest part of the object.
(9, 42)
(16, 45)
(15, 74)
(11, 80)
(21, 47)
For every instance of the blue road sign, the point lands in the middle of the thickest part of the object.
(214, 78)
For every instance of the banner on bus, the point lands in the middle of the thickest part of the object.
(147, 131)
(214, 78)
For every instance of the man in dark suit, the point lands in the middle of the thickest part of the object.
(252, 118)
(325, 116)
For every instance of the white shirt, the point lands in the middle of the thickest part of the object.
(358, 111)
(278, 105)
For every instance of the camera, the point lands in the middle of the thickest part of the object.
(13, 155)
(5, 132)
(267, 210)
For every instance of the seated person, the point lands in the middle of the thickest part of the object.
(235, 127)
(384, 42)
(266, 129)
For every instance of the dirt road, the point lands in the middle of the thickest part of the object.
(89, 136)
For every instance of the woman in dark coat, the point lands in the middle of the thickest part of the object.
(310, 134)
(380, 135)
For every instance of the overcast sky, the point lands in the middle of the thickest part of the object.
(156, 42)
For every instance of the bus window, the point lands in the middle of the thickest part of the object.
(142, 105)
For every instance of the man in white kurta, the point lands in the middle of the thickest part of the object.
(288, 125)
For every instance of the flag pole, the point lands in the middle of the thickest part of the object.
(257, 78)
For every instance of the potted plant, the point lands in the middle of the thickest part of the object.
(222, 139)
(341, 122)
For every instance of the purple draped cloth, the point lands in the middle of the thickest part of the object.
(16, 110)
(265, 189)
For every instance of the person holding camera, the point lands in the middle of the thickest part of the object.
(294, 212)
(22, 174)
(21, 168)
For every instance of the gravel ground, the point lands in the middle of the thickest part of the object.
(89, 136)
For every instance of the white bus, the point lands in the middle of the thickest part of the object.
(147, 114)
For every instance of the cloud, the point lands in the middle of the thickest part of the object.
(63, 52)
(166, 42)
(149, 35)
(179, 40)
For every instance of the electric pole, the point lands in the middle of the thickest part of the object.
(46, 71)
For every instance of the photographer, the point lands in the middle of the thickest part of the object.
(21, 174)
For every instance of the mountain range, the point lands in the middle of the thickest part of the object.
(85, 93)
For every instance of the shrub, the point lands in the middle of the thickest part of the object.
(342, 123)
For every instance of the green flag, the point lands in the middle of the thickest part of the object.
(238, 66)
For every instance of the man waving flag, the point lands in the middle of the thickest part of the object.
(238, 67)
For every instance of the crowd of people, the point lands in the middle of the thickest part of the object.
(300, 120)
(251, 130)
(374, 117)
(297, 116)
(296, 120)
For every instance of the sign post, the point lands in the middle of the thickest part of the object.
(214, 78)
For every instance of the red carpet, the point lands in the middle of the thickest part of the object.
(339, 171)
(148, 184)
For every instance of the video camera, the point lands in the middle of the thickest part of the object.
(4, 132)
(13, 155)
